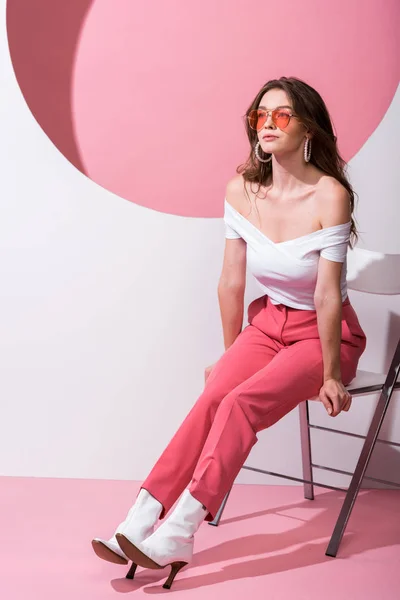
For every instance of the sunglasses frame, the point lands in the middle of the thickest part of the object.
(267, 113)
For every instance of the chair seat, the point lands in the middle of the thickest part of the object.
(365, 379)
(361, 380)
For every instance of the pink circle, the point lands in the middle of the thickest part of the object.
(147, 99)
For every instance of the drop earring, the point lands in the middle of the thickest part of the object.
(256, 152)
(307, 150)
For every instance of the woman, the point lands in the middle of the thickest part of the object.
(288, 216)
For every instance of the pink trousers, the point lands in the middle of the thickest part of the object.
(274, 364)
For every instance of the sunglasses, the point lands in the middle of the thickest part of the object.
(280, 117)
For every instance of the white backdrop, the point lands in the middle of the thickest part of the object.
(109, 315)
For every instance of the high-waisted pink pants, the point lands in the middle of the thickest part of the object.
(274, 364)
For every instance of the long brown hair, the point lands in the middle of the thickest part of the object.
(313, 113)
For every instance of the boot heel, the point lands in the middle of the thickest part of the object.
(131, 573)
(175, 567)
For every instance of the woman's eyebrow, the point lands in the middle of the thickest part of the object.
(281, 106)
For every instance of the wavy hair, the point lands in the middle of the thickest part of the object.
(309, 106)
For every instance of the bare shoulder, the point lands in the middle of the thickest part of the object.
(235, 192)
(333, 201)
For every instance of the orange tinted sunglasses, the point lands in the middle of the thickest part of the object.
(280, 117)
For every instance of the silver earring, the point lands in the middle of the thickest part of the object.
(307, 150)
(264, 160)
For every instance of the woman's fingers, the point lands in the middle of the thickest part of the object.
(335, 403)
(347, 402)
(325, 401)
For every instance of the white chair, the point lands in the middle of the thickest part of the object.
(374, 273)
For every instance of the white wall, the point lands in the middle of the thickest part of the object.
(109, 315)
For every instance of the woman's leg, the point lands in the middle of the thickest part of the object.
(251, 351)
(295, 374)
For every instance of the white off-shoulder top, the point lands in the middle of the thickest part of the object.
(287, 271)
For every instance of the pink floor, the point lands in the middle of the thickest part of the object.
(270, 544)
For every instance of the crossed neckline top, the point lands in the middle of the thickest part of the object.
(287, 271)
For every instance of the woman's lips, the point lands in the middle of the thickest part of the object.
(270, 137)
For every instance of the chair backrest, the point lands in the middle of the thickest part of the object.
(373, 272)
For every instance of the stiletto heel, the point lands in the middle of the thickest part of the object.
(175, 568)
(131, 573)
(172, 543)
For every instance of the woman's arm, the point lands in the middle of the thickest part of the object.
(328, 305)
(231, 288)
(334, 209)
(333, 393)
(231, 304)
(329, 318)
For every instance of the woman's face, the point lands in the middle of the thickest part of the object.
(288, 138)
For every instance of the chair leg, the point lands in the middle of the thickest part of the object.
(359, 472)
(220, 510)
(306, 449)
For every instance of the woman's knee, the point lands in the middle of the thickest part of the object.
(209, 399)
(217, 390)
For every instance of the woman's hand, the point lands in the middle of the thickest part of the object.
(334, 396)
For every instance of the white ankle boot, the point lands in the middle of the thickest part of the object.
(172, 543)
(138, 525)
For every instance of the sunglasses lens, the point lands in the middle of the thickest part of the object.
(281, 118)
(256, 119)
